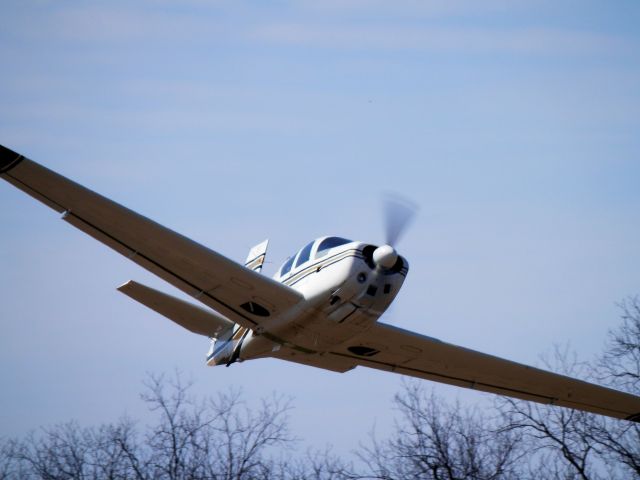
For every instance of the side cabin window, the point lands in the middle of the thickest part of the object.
(329, 243)
(286, 267)
(304, 255)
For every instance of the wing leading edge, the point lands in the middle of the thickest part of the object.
(393, 349)
(218, 282)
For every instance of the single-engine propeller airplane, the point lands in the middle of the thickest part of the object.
(320, 309)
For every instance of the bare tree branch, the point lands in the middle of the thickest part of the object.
(434, 440)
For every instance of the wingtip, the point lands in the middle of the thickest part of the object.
(8, 159)
(125, 286)
(634, 418)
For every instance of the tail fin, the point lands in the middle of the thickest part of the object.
(256, 256)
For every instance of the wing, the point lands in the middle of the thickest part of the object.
(241, 295)
(393, 349)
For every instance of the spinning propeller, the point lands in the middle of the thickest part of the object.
(398, 215)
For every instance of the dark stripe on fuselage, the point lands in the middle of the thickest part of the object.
(323, 263)
(326, 262)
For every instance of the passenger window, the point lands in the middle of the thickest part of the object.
(329, 243)
(286, 267)
(305, 253)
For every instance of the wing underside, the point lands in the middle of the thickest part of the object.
(218, 282)
(393, 349)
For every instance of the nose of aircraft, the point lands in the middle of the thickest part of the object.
(385, 256)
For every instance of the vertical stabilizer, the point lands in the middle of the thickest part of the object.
(256, 256)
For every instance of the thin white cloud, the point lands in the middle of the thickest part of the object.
(316, 25)
(408, 8)
(121, 24)
(441, 39)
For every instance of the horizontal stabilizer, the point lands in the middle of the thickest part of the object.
(185, 314)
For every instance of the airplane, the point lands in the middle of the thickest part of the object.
(321, 308)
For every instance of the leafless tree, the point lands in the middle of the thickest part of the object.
(620, 363)
(573, 444)
(619, 442)
(436, 440)
(66, 451)
(217, 438)
(9, 466)
(315, 465)
(559, 439)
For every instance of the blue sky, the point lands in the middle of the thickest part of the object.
(514, 126)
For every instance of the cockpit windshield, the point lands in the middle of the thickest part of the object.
(304, 255)
(329, 243)
(286, 267)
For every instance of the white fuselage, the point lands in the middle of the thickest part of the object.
(344, 295)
